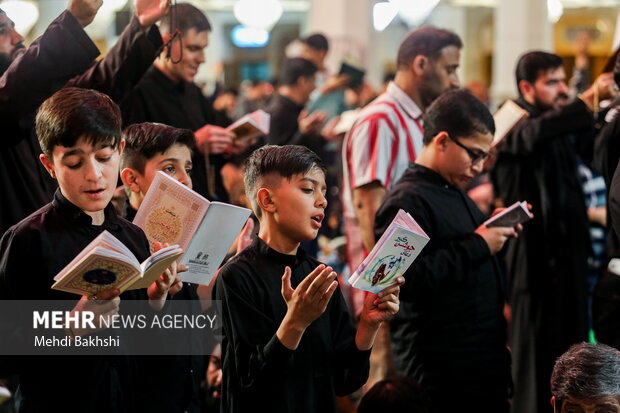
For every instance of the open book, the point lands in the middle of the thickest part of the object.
(173, 213)
(506, 119)
(393, 254)
(515, 214)
(251, 126)
(106, 262)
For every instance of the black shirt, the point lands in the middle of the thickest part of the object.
(62, 56)
(258, 371)
(284, 127)
(450, 330)
(32, 253)
(181, 105)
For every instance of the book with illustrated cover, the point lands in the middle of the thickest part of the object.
(106, 263)
(251, 126)
(393, 254)
(173, 213)
(506, 119)
(517, 213)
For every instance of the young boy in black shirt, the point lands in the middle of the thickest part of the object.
(289, 344)
(79, 133)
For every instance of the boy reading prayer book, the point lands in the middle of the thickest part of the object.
(289, 344)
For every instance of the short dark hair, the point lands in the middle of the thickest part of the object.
(427, 41)
(586, 371)
(316, 41)
(458, 113)
(533, 64)
(187, 17)
(293, 69)
(73, 113)
(395, 395)
(285, 161)
(145, 140)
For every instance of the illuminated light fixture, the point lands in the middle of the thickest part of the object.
(382, 15)
(243, 36)
(554, 10)
(260, 14)
(23, 13)
(111, 6)
(414, 12)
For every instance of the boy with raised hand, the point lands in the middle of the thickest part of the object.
(289, 344)
(79, 133)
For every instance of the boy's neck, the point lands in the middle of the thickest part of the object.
(98, 217)
(277, 241)
(135, 200)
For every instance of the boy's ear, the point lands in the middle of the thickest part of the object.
(130, 178)
(121, 146)
(265, 200)
(441, 140)
(48, 165)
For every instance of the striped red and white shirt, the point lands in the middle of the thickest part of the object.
(384, 139)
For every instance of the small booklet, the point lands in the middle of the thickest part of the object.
(173, 213)
(251, 126)
(356, 74)
(106, 262)
(515, 214)
(393, 254)
(347, 120)
(506, 119)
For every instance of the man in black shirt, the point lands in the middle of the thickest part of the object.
(86, 170)
(167, 94)
(450, 332)
(289, 345)
(63, 56)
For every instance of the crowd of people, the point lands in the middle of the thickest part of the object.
(487, 319)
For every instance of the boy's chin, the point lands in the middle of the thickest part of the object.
(96, 205)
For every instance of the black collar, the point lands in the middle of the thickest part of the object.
(428, 175)
(73, 214)
(284, 259)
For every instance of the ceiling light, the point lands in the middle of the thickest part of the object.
(382, 15)
(260, 14)
(23, 13)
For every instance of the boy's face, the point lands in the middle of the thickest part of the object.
(176, 162)
(299, 205)
(86, 174)
(459, 162)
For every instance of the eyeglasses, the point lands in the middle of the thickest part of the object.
(475, 156)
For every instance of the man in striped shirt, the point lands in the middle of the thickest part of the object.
(387, 136)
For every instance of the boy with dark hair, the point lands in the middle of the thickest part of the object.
(450, 333)
(152, 147)
(79, 133)
(289, 346)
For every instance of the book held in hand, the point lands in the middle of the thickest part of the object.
(107, 263)
(517, 213)
(393, 254)
(251, 126)
(506, 119)
(173, 213)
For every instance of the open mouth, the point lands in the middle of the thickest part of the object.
(317, 219)
(95, 192)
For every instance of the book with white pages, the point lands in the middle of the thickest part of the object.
(507, 117)
(515, 214)
(107, 263)
(175, 214)
(392, 255)
(251, 126)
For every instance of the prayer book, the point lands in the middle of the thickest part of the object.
(506, 119)
(393, 254)
(515, 214)
(356, 74)
(251, 126)
(106, 262)
(173, 213)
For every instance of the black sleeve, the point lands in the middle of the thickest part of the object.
(259, 358)
(441, 262)
(63, 51)
(125, 63)
(570, 119)
(607, 149)
(350, 366)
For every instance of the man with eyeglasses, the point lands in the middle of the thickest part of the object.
(450, 332)
(547, 265)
